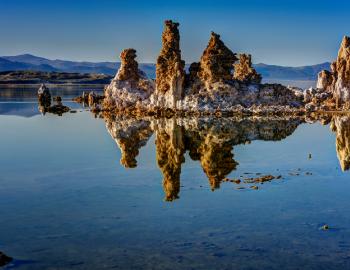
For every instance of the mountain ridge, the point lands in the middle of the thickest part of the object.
(35, 63)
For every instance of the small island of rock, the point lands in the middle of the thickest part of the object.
(221, 83)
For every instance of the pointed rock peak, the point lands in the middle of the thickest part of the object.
(171, 36)
(215, 39)
(346, 42)
(129, 66)
(170, 72)
(170, 24)
(217, 61)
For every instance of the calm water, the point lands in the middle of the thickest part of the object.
(82, 192)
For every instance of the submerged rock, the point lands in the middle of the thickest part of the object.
(58, 108)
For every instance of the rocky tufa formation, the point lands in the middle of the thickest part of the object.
(216, 62)
(44, 96)
(337, 81)
(244, 71)
(44, 100)
(130, 86)
(170, 73)
(208, 88)
(129, 70)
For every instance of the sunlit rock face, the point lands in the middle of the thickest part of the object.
(338, 80)
(217, 61)
(170, 149)
(210, 86)
(341, 125)
(130, 87)
(130, 135)
(325, 80)
(244, 71)
(170, 73)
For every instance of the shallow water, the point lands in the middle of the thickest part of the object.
(79, 192)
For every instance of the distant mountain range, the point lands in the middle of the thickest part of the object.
(35, 63)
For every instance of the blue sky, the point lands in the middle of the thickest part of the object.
(275, 32)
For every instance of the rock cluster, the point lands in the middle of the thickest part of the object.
(210, 86)
(44, 100)
(337, 81)
(244, 72)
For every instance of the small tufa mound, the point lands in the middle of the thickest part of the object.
(44, 96)
(244, 72)
(130, 86)
(217, 61)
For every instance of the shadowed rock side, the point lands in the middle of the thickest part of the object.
(130, 135)
(337, 82)
(209, 87)
(130, 86)
(341, 126)
(170, 74)
(208, 140)
(44, 96)
(4, 259)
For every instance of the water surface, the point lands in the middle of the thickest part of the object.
(81, 192)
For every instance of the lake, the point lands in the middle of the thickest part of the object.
(80, 191)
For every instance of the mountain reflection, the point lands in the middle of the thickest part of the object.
(208, 140)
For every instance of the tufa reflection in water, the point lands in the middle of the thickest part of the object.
(208, 140)
(341, 126)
